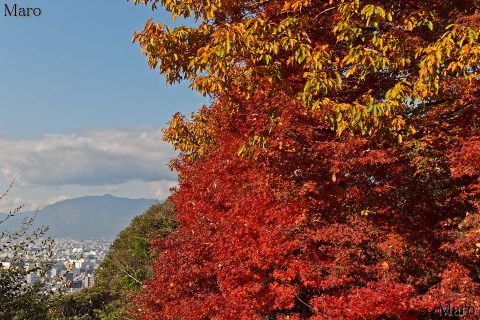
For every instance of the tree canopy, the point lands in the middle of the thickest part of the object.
(336, 174)
(128, 264)
(371, 64)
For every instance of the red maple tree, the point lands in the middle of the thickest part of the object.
(321, 227)
(282, 217)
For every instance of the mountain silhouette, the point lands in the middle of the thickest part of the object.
(91, 217)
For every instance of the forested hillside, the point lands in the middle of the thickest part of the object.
(124, 270)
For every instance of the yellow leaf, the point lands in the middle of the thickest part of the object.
(412, 130)
(409, 26)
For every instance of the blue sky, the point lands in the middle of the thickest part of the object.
(68, 75)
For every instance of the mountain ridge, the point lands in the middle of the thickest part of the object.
(85, 218)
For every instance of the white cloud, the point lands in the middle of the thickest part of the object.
(9, 204)
(93, 157)
(161, 189)
(55, 199)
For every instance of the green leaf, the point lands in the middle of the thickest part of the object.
(430, 25)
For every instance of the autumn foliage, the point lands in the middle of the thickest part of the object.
(337, 173)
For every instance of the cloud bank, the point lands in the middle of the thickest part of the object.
(89, 158)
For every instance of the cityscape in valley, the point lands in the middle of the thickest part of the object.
(75, 261)
(82, 231)
(72, 263)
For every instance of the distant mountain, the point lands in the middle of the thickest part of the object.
(92, 217)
